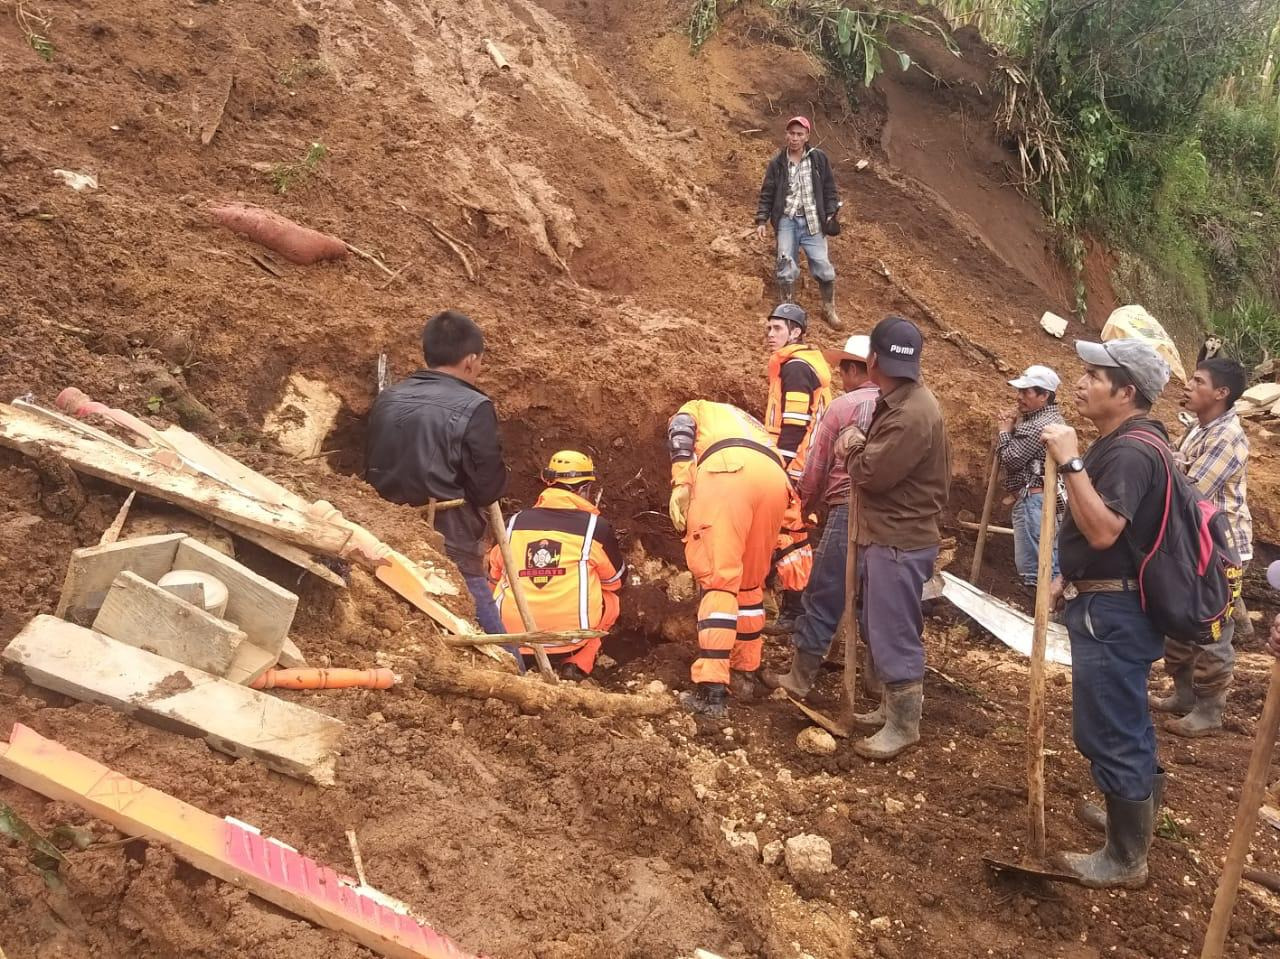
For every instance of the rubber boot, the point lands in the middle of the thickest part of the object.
(572, 672)
(903, 703)
(706, 699)
(786, 291)
(743, 684)
(828, 288)
(1095, 817)
(1240, 615)
(1183, 698)
(801, 677)
(789, 609)
(1122, 861)
(1205, 718)
(877, 717)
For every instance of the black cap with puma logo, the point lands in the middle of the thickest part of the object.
(896, 344)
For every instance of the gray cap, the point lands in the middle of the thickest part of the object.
(1136, 357)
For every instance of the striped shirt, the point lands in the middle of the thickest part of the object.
(1216, 458)
(1022, 452)
(822, 472)
(800, 193)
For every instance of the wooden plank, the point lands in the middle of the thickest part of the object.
(250, 663)
(93, 569)
(401, 574)
(233, 719)
(258, 606)
(225, 848)
(291, 656)
(31, 434)
(286, 551)
(142, 614)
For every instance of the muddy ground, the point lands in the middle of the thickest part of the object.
(604, 186)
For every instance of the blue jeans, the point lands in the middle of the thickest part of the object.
(824, 597)
(1027, 511)
(889, 586)
(793, 234)
(487, 614)
(1113, 645)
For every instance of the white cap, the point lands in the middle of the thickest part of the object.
(1040, 376)
(855, 348)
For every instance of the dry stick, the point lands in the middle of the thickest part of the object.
(435, 505)
(355, 855)
(999, 530)
(112, 532)
(1267, 880)
(517, 590)
(540, 638)
(851, 610)
(1035, 706)
(455, 245)
(993, 483)
(1251, 796)
(386, 283)
(371, 258)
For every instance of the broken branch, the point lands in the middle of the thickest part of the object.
(371, 258)
(538, 638)
(445, 677)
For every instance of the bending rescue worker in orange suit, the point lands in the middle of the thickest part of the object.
(572, 567)
(731, 493)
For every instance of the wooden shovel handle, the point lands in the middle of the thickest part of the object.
(1039, 641)
(979, 547)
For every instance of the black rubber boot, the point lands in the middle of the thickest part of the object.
(1181, 700)
(828, 288)
(789, 609)
(1204, 719)
(1094, 816)
(800, 679)
(744, 684)
(706, 699)
(573, 672)
(1122, 861)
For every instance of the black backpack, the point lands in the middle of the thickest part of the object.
(1189, 579)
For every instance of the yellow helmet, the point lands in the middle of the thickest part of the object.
(570, 468)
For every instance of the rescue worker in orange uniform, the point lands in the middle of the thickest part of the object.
(572, 567)
(799, 393)
(730, 492)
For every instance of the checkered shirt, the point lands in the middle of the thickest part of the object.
(800, 193)
(1216, 458)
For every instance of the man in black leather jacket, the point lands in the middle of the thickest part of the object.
(435, 436)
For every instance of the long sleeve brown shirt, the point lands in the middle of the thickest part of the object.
(903, 474)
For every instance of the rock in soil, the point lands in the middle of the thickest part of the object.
(816, 741)
(808, 856)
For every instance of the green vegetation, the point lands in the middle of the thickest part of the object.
(35, 29)
(287, 176)
(301, 69)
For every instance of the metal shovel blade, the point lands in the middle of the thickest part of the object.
(842, 727)
(1026, 869)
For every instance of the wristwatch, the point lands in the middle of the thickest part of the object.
(1075, 465)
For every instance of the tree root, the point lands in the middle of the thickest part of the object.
(530, 694)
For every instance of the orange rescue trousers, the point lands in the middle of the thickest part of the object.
(733, 524)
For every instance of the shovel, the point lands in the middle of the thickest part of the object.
(844, 725)
(1032, 862)
(993, 484)
(517, 590)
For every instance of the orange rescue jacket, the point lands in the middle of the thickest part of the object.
(799, 393)
(569, 559)
(701, 424)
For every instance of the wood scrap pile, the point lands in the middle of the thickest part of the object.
(1261, 403)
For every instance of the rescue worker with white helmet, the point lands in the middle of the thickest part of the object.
(571, 567)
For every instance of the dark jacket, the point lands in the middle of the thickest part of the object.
(433, 436)
(773, 194)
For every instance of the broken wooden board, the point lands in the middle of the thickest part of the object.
(225, 848)
(1011, 627)
(304, 417)
(93, 569)
(403, 576)
(144, 615)
(31, 435)
(258, 606)
(250, 663)
(233, 719)
(291, 656)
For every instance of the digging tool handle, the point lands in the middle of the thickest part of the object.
(1039, 641)
(1251, 796)
(993, 484)
(851, 606)
(517, 590)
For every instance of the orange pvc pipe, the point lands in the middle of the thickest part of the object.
(325, 679)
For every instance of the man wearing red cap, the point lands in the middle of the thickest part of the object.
(799, 198)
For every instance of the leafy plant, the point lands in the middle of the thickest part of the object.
(1250, 331)
(155, 404)
(1169, 828)
(287, 176)
(704, 19)
(301, 69)
(35, 29)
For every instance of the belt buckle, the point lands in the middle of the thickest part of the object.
(1069, 592)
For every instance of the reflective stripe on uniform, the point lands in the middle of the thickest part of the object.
(584, 579)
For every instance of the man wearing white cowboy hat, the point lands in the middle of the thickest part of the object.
(826, 481)
(1022, 456)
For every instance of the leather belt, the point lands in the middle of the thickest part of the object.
(1035, 489)
(1105, 585)
(743, 444)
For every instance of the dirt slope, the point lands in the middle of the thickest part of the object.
(605, 185)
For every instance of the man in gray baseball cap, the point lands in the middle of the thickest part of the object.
(1115, 497)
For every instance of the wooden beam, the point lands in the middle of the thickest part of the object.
(32, 435)
(233, 719)
(143, 615)
(566, 638)
(93, 569)
(286, 551)
(227, 849)
(258, 606)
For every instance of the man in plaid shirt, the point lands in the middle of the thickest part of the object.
(1022, 456)
(1215, 455)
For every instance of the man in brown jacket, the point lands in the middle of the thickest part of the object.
(901, 470)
